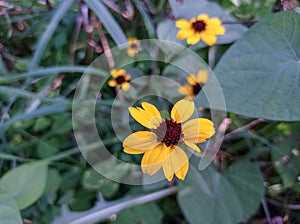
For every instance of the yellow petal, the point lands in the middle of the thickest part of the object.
(183, 34)
(203, 17)
(214, 26)
(182, 110)
(194, 39)
(132, 40)
(127, 77)
(202, 77)
(214, 22)
(215, 30)
(179, 162)
(125, 86)
(168, 171)
(148, 116)
(133, 151)
(197, 130)
(117, 72)
(191, 80)
(192, 146)
(209, 39)
(183, 24)
(131, 52)
(186, 90)
(112, 83)
(141, 140)
(153, 112)
(153, 160)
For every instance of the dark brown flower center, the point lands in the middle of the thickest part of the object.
(199, 25)
(120, 79)
(196, 88)
(169, 132)
(134, 46)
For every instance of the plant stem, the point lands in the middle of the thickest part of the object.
(283, 205)
(243, 128)
(241, 21)
(106, 212)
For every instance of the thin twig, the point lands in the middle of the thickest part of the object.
(243, 128)
(283, 205)
(241, 21)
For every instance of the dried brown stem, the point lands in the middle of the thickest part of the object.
(243, 128)
(105, 45)
(241, 21)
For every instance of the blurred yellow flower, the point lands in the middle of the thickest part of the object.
(202, 27)
(161, 144)
(121, 79)
(196, 84)
(133, 46)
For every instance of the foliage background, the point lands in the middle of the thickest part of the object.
(45, 46)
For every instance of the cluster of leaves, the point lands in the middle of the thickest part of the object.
(47, 45)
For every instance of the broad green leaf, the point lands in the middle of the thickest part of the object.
(9, 210)
(187, 9)
(107, 20)
(26, 183)
(259, 74)
(148, 213)
(209, 197)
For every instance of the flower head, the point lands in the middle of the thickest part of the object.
(202, 27)
(133, 47)
(196, 84)
(121, 79)
(161, 144)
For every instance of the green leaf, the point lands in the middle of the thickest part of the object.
(187, 9)
(92, 180)
(259, 74)
(9, 211)
(42, 123)
(108, 21)
(209, 197)
(54, 180)
(165, 114)
(26, 183)
(148, 213)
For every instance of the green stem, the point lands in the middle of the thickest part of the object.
(51, 71)
(75, 150)
(7, 156)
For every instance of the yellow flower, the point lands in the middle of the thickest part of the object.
(161, 144)
(202, 27)
(133, 47)
(196, 84)
(120, 79)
